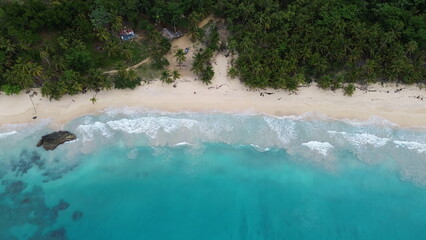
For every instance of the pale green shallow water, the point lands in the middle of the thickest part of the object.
(158, 175)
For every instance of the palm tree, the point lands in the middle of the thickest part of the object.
(166, 77)
(58, 63)
(180, 56)
(33, 69)
(97, 79)
(411, 47)
(207, 75)
(175, 75)
(63, 43)
(127, 53)
(45, 56)
(117, 23)
(131, 74)
(103, 35)
(197, 34)
(93, 99)
(197, 64)
(22, 74)
(232, 72)
(6, 45)
(112, 49)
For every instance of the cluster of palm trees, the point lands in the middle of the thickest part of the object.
(16, 74)
(56, 49)
(202, 59)
(282, 45)
(167, 77)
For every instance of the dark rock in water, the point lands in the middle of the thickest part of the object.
(77, 215)
(52, 140)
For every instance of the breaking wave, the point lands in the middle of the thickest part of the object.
(313, 137)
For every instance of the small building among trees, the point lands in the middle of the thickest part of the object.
(127, 34)
(169, 34)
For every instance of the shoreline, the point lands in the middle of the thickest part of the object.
(402, 105)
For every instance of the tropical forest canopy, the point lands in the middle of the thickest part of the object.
(282, 43)
(64, 46)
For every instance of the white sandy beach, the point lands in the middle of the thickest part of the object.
(403, 105)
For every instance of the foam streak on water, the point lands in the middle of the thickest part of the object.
(156, 175)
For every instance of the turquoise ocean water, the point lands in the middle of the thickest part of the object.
(154, 175)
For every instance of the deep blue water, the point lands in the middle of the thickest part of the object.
(154, 175)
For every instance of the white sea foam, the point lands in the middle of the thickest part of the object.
(132, 154)
(369, 141)
(86, 132)
(372, 121)
(284, 130)
(419, 147)
(305, 116)
(151, 125)
(182, 144)
(259, 148)
(6, 134)
(362, 139)
(313, 136)
(320, 147)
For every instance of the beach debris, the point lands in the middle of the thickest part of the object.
(52, 140)
(217, 87)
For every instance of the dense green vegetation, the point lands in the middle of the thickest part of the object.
(65, 46)
(284, 43)
(202, 60)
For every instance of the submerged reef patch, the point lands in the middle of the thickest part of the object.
(20, 206)
(26, 161)
(77, 215)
